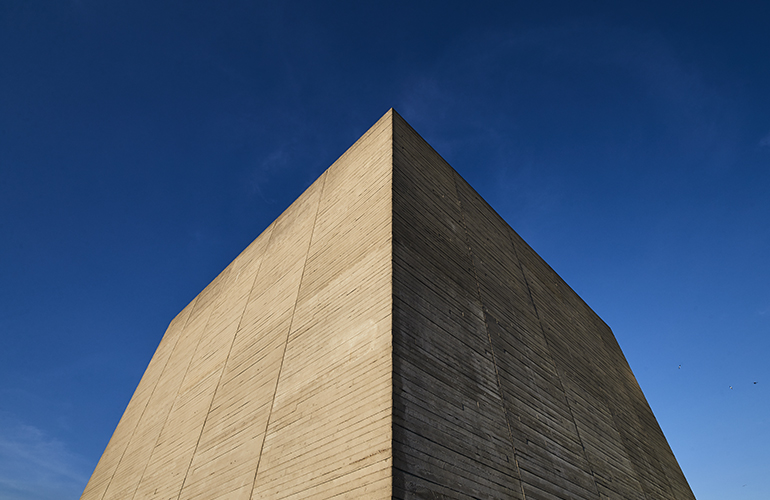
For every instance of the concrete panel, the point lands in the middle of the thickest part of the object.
(451, 438)
(116, 449)
(329, 429)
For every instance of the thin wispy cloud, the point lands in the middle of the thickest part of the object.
(765, 142)
(37, 466)
(268, 167)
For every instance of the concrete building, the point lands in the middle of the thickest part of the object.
(388, 336)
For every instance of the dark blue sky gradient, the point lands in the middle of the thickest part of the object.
(144, 144)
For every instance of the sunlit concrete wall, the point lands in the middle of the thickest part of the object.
(275, 382)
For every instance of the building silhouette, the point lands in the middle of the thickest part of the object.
(388, 336)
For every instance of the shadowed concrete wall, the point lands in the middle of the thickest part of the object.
(388, 336)
(506, 384)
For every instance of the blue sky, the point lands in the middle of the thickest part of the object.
(144, 144)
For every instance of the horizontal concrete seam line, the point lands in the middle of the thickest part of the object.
(364, 432)
(458, 467)
(288, 333)
(333, 474)
(371, 465)
(443, 486)
(340, 489)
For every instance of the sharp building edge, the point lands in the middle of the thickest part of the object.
(388, 336)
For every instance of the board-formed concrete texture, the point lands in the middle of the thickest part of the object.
(388, 336)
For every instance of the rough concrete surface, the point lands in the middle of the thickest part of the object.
(388, 336)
